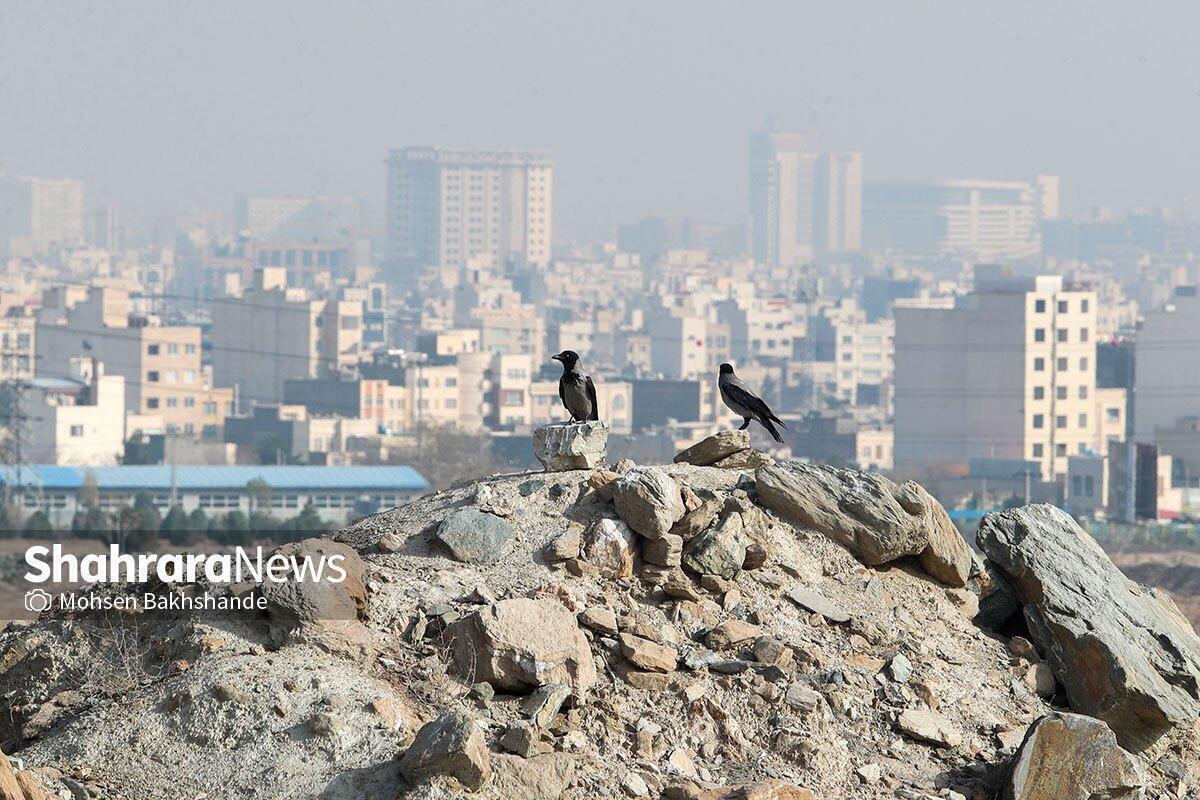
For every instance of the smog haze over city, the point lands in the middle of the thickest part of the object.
(646, 107)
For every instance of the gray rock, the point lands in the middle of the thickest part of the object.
(475, 536)
(873, 517)
(571, 445)
(818, 604)
(523, 643)
(648, 499)
(1072, 757)
(542, 705)
(293, 603)
(947, 557)
(720, 550)
(1123, 653)
(900, 668)
(713, 448)
(609, 546)
(697, 520)
(452, 746)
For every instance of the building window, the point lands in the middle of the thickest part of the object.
(1062, 306)
(1083, 393)
(1112, 413)
(1062, 365)
(152, 376)
(1038, 450)
(1039, 334)
(1083, 306)
(1083, 420)
(151, 402)
(1039, 365)
(1039, 420)
(1060, 450)
(1060, 421)
(1039, 306)
(1083, 334)
(152, 350)
(1061, 393)
(77, 430)
(1039, 392)
(1062, 334)
(1083, 364)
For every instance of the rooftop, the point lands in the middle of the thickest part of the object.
(185, 478)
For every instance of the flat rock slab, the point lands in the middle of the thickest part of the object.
(713, 448)
(873, 517)
(1072, 757)
(818, 604)
(1123, 653)
(928, 726)
(475, 536)
(565, 446)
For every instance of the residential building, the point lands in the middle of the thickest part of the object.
(802, 203)
(39, 214)
(446, 207)
(272, 333)
(305, 219)
(17, 350)
(1167, 358)
(162, 365)
(75, 420)
(1007, 371)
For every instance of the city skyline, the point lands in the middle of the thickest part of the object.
(172, 121)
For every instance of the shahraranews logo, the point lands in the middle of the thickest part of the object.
(52, 564)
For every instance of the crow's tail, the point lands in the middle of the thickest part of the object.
(766, 423)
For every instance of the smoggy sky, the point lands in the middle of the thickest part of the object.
(646, 107)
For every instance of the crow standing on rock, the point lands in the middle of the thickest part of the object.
(746, 404)
(575, 388)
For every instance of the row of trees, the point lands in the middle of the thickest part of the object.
(135, 525)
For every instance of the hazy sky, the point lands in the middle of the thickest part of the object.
(645, 106)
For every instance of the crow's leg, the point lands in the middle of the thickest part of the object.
(745, 423)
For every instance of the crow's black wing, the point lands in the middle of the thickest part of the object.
(591, 394)
(747, 399)
(562, 389)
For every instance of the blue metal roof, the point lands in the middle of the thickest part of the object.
(158, 478)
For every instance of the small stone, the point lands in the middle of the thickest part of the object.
(542, 705)
(476, 537)
(869, 773)
(731, 633)
(599, 619)
(521, 739)
(390, 542)
(452, 746)
(665, 552)
(928, 726)
(634, 785)
(769, 650)
(900, 668)
(648, 655)
(609, 546)
(714, 448)
(818, 604)
(720, 550)
(801, 698)
(1039, 679)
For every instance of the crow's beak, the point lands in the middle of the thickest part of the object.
(556, 358)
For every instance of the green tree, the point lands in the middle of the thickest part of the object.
(259, 492)
(38, 524)
(198, 521)
(307, 521)
(138, 450)
(235, 522)
(174, 523)
(7, 523)
(143, 504)
(89, 492)
(262, 522)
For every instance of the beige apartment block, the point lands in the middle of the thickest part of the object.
(272, 333)
(161, 364)
(450, 206)
(1007, 371)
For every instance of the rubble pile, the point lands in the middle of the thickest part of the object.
(725, 627)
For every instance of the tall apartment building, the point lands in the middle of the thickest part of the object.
(37, 214)
(309, 219)
(969, 218)
(802, 203)
(445, 207)
(1167, 361)
(272, 333)
(162, 366)
(1005, 372)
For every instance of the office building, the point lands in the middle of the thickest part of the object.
(446, 207)
(1005, 372)
(38, 214)
(802, 203)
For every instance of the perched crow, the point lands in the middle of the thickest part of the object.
(746, 404)
(575, 389)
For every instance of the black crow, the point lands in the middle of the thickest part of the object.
(575, 389)
(745, 403)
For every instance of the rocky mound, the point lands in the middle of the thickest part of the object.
(750, 630)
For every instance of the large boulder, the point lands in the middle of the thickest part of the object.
(450, 746)
(338, 594)
(476, 537)
(720, 550)
(1072, 757)
(609, 546)
(522, 643)
(873, 517)
(712, 449)
(947, 557)
(649, 501)
(1123, 653)
(565, 446)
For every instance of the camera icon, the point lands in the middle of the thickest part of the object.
(38, 600)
